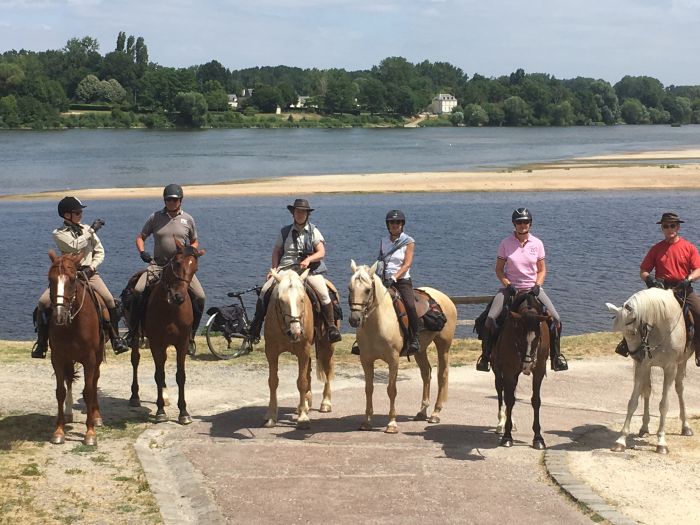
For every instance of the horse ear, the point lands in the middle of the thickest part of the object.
(52, 255)
(304, 275)
(373, 268)
(178, 244)
(515, 315)
(200, 252)
(276, 275)
(612, 308)
(353, 266)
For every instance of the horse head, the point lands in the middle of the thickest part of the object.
(179, 271)
(526, 315)
(363, 290)
(63, 274)
(291, 298)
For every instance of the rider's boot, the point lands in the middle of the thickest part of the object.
(487, 339)
(42, 335)
(329, 318)
(355, 349)
(622, 348)
(256, 324)
(135, 310)
(197, 311)
(118, 344)
(559, 362)
(413, 344)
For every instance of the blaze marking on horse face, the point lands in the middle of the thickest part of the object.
(60, 290)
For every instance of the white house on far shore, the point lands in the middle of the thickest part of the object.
(443, 103)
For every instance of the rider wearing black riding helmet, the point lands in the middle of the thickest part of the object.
(520, 266)
(166, 225)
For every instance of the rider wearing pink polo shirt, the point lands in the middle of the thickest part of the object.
(520, 266)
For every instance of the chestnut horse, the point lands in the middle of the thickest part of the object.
(523, 338)
(75, 336)
(168, 322)
(289, 327)
(379, 337)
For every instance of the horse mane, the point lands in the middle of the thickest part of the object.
(651, 306)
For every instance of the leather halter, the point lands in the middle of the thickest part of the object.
(167, 283)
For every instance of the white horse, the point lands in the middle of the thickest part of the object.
(379, 337)
(653, 326)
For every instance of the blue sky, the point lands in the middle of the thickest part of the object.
(595, 38)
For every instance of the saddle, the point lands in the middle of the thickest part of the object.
(687, 316)
(429, 313)
(316, 301)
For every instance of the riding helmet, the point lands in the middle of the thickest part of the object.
(69, 204)
(172, 191)
(395, 215)
(521, 214)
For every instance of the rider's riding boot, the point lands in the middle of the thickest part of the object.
(559, 363)
(135, 310)
(487, 339)
(118, 344)
(42, 335)
(329, 318)
(622, 348)
(413, 344)
(256, 324)
(197, 311)
(355, 349)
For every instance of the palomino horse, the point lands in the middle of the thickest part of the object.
(379, 337)
(75, 335)
(289, 327)
(652, 323)
(523, 338)
(169, 322)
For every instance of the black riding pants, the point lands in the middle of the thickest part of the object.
(405, 288)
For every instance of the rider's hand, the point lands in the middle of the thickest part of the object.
(304, 264)
(146, 257)
(685, 284)
(88, 271)
(535, 290)
(510, 289)
(652, 283)
(97, 224)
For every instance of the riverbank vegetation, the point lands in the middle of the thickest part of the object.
(77, 86)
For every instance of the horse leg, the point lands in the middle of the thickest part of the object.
(90, 397)
(536, 401)
(325, 372)
(59, 435)
(646, 395)
(96, 417)
(686, 430)
(308, 398)
(273, 382)
(509, 385)
(501, 407)
(180, 377)
(159, 376)
(425, 374)
(392, 427)
(135, 358)
(68, 404)
(669, 376)
(368, 367)
(443, 352)
(304, 361)
(621, 442)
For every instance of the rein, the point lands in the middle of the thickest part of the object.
(71, 299)
(646, 330)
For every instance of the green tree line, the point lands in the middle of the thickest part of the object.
(38, 88)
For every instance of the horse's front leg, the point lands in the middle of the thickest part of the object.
(135, 358)
(273, 382)
(392, 427)
(443, 375)
(669, 376)
(303, 385)
(509, 386)
(97, 416)
(686, 429)
(368, 368)
(498, 379)
(59, 435)
(90, 397)
(538, 441)
(180, 377)
(621, 442)
(425, 374)
(645, 392)
(68, 403)
(325, 371)
(159, 376)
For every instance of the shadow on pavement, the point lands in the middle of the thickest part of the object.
(577, 438)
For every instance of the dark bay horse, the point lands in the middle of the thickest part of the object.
(169, 322)
(522, 346)
(75, 336)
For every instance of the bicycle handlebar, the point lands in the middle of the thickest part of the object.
(238, 294)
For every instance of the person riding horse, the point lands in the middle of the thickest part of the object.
(676, 264)
(166, 225)
(520, 266)
(299, 246)
(395, 257)
(74, 237)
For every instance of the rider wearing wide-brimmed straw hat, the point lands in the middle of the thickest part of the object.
(520, 266)
(299, 246)
(676, 265)
(75, 237)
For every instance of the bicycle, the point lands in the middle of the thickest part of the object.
(227, 325)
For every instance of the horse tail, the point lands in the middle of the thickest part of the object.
(645, 390)
(70, 373)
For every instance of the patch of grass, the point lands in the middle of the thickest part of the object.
(143, 486)
(123, 478)
(32, 469)
(126, 508)
(74, 471)
(100, 460)
(83, 449)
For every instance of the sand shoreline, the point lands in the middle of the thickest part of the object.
(631, 171)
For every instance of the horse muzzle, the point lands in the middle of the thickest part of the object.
(355, 319)
(294, 331)
(61, 315)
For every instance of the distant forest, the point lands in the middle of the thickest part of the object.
(77, 86)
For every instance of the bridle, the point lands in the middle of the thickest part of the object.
(66, 301)
(363, 307)
(292, 318)
(168, 283)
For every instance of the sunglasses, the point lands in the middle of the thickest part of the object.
(522, 221)
(395, 222)
(172, 199)
(670, 226)
(77, 212)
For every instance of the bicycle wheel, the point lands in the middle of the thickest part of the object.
(219, 345)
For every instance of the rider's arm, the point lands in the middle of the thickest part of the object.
(195, 243)
(98, 254)
(644, 274)
(541, 272)
(68, 244)
(319, 253)
(500, 271)
(407, 261)
(694, 275)
(140, 242)
(276, 256)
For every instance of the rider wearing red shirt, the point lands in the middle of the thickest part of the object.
(676, 264)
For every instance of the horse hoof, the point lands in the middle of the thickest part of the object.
(325, 408)
(661, 449)
(366, 427)
(420, 416)
(506, 442)
(184, 420)
(98, 422)
(68, 418)
(134, 402)
(643, 433)
(58, 439)
(434, 419)
(617, 447)
(687, 431)
(90, 441)
(269, 423)
(538, 444)
(391, 429)
(161, 418)
(303, 425)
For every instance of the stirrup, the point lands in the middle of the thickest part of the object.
(622, 348)
(482, 364)
(559, 363)
(355, 349)
(37, 353)
(119, 346)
